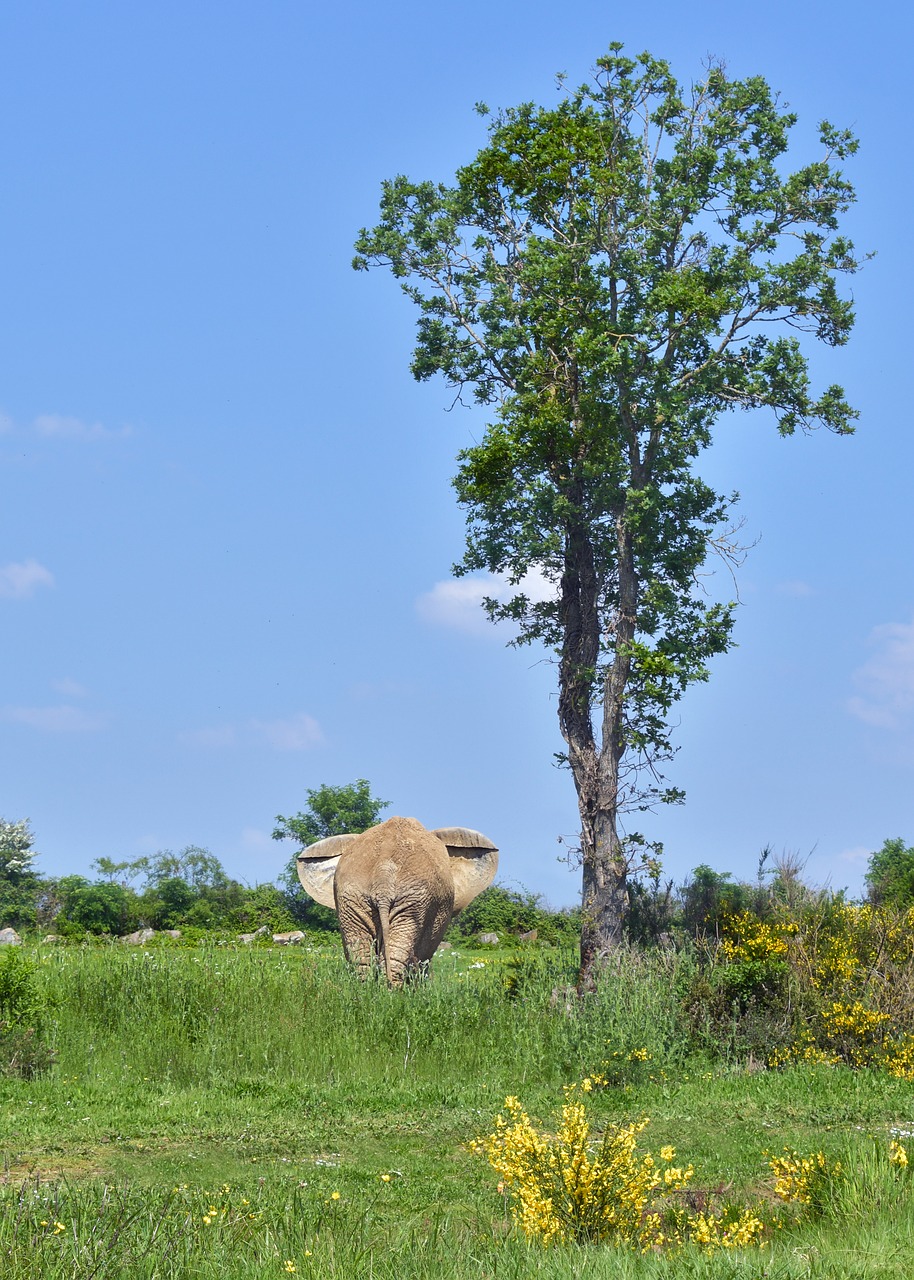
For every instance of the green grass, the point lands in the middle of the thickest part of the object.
(274, 1074)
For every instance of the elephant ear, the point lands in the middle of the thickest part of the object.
(474, 861)
(317, 867)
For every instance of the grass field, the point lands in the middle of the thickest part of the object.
(226, 1112)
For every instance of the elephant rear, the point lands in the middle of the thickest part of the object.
(394, 896)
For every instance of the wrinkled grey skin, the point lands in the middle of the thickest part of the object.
(395, 888)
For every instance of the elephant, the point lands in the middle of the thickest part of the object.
(395, 888)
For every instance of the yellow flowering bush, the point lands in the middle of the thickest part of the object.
(803, 1180)
(834, 984)
(569, 1186)
(898, 1154)
(623, 1067)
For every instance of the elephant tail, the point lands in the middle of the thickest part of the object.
(384, 929)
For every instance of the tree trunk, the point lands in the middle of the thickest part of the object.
(596, 772)
(604, 900)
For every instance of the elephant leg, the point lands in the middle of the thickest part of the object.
(359, 936)
(397, 936)
(429, 939)
(360, 953)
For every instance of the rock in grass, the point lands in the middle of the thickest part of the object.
(10, 938)
(288, 939)
(489, 939)
(258, 933)
(139, 937)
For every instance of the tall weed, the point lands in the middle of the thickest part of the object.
(221, 1013)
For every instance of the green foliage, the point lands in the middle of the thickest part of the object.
(23, 1008)
(652, 909)
(19, 902)
(890, 875)
(508, 912)
(708, 898)
(751, 986)
(19, 881)
(167, 902)
(197, 867)
(98, 908)
(331, 811)
(188, 891)
(21, 999)
(263, 905)
(124, 871)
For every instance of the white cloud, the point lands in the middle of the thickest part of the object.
(62, 719)
(20, 580)
(223, 735)
(859, 853)
(886, 680)
(457, 602)
(257, 841)
(62, 427)
(70, 688)
(795, 588)
(298, 733)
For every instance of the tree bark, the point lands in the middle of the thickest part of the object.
(604, 899)
(596, 772)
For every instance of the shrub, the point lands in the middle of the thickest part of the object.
(568, 1187)
(834, 983)
(707, 899)
(165, 903)
(501, 910)
(891, 874)
(23, 1051)
(807, 1181)
(97, 908)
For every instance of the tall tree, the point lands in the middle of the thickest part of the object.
(330, 811)
(890, 874)
(19, 881)
(610, 275)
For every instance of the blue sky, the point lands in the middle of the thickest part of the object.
(227, 524)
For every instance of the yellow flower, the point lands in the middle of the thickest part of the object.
(898, 1155)
(667, 1153)
(385, 1177)
(587, 1084)
(289, 1265)
(334, 1195)
(58, 1227)
(207, 1220)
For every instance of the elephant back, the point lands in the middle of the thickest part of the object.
(397, 861)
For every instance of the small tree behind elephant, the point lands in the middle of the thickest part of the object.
(395, 888)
